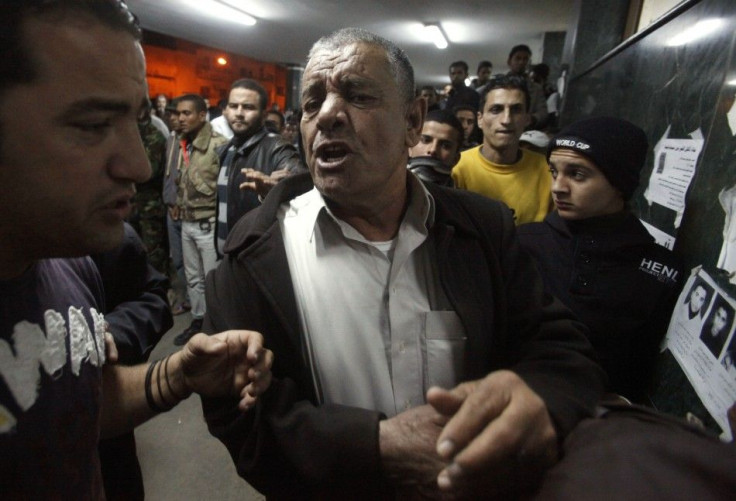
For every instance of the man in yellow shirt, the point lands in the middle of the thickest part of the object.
(499, 168)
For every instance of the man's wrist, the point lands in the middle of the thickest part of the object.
(164, 384)
(386, 449)
(177, 385)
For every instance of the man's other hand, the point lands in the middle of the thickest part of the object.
(499, 438)
(408, 447)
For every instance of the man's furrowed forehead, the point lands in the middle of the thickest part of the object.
(358, 62)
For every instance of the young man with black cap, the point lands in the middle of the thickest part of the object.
(597, 257)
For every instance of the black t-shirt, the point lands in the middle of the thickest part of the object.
(51, 355)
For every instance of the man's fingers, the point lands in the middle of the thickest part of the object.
(264, 362)
(480, 407)
(279, 174)
(250, 392)
(519, 439)
(259, 383)
(444, 401)
(498, 441)
(254, 341)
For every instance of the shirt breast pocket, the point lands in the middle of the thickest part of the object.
(445, 341)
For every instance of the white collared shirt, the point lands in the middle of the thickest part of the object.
(379, 330)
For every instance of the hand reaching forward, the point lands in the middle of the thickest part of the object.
(262, 183)
(500, 437)
(228, 363)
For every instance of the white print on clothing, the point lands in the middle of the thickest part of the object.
(33, 348)
(662, 272)
(571, 143)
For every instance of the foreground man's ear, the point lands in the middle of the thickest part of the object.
(415, 113)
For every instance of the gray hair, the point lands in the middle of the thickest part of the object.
(401, 68)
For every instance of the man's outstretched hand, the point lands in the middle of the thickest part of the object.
(229, 363)
(262, 183)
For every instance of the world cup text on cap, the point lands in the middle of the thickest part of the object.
(571, 143)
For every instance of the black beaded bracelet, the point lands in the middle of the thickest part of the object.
(149, 392)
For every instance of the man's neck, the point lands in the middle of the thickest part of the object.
(378, 222)
(506, 156)
(240, 139)
(193, 135)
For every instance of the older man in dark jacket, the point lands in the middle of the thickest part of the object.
(370, 289)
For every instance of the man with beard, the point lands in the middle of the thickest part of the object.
(253, 161)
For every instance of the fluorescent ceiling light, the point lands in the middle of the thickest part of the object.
(228, 10)
(435, 35)
(701, 29)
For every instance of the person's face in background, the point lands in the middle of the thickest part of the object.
(174, 121)
(518, 62)
(244, 112)
(503, 118)
(440, 141)
(484, 74)
(190, 120)
(276, 122)
(458, 75)
(468, 119)
(161, 102)
(579, 188)
(697, 299)
(429, 96)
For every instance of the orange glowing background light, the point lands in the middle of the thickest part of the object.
(221, 61)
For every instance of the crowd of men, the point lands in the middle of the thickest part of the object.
(378, 315)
